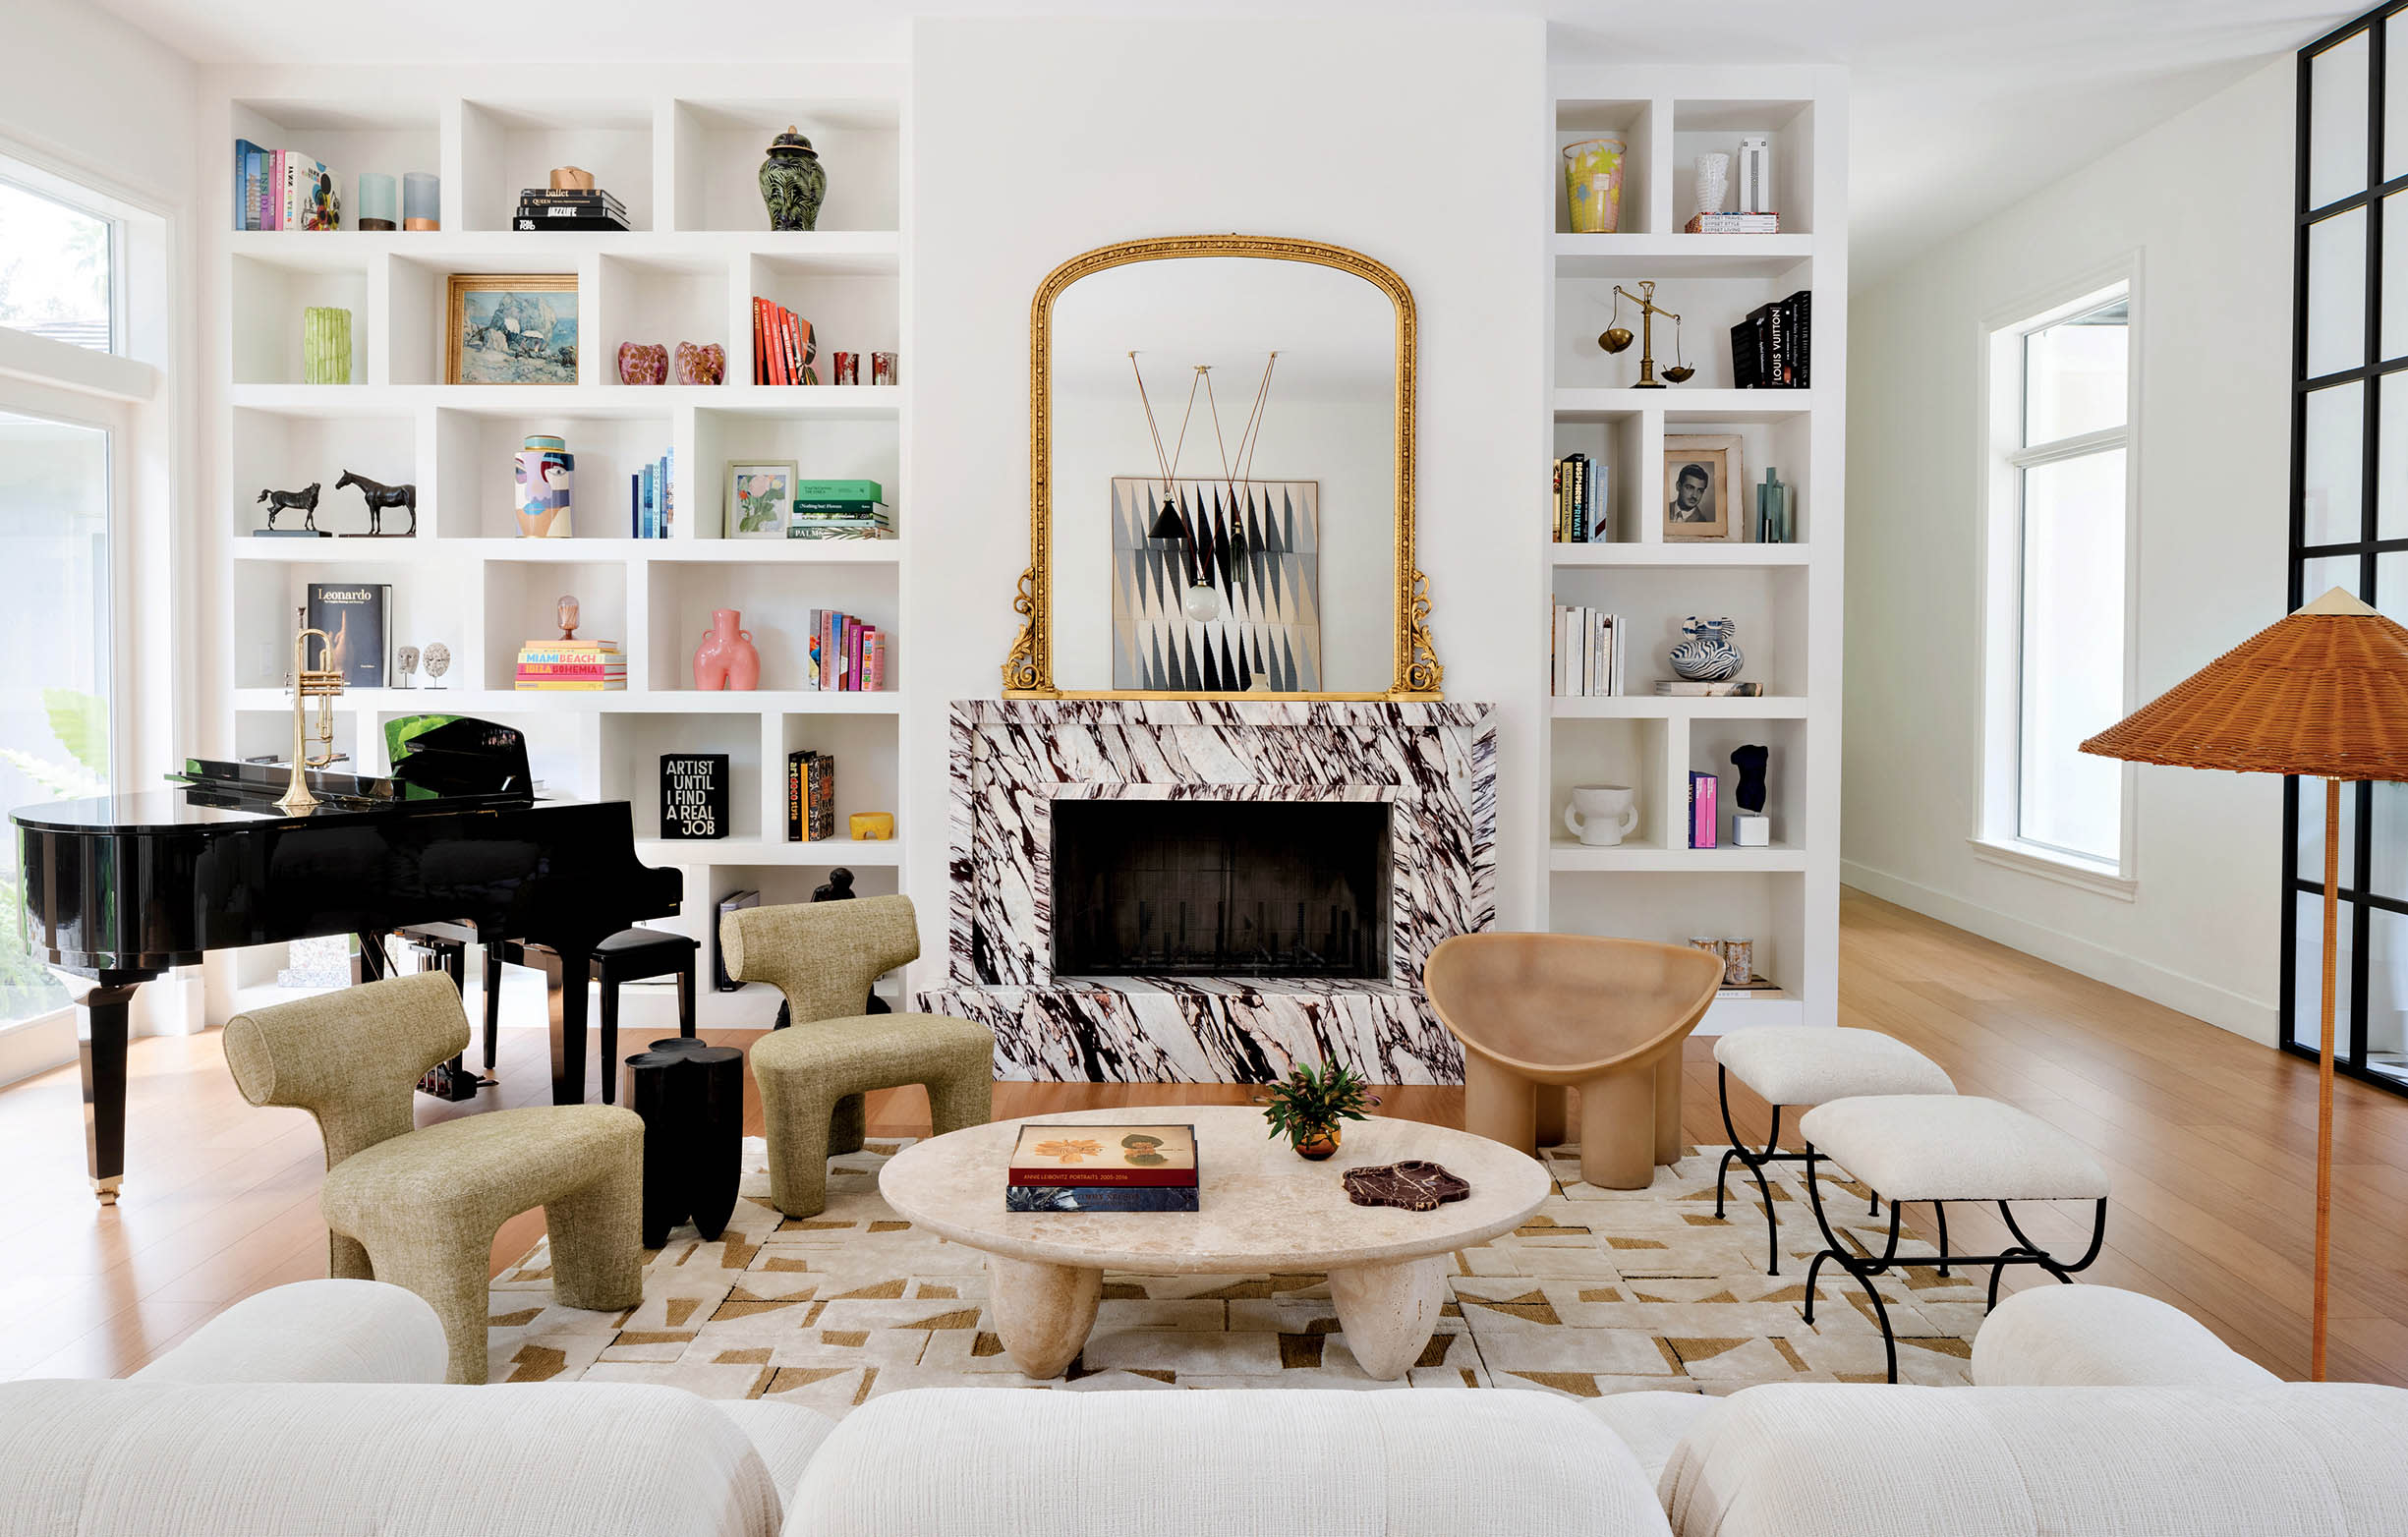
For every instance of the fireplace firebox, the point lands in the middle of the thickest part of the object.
(1228, 888)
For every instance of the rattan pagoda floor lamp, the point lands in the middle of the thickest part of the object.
(2323, 695)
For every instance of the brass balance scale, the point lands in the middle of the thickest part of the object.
(1617, 338)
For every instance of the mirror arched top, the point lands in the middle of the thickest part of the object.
(1059, 653)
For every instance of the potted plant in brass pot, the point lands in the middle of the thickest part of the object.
(1308, 1107)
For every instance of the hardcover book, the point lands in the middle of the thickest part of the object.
(1101, 1198)
(353, 616)
(1091, 1157)
(811, 797)
(733, 903)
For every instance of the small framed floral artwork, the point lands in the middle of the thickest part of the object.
(760, 497)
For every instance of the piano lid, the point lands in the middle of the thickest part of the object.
(439, 763)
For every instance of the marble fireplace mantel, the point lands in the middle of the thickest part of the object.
(1010, 759)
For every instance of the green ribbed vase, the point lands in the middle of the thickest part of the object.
(325, 346)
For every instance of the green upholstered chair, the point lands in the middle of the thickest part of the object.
(824, 956)
(418, 1207)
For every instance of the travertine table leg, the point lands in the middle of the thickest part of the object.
(1388, 1311)
(1043, 1312)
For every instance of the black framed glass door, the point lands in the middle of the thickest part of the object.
(2349, 517)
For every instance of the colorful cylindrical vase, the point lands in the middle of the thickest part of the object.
(546, 471)
(1592, 185)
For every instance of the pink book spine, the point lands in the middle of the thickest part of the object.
(1706, 818)
(852, 658)
(878, 661)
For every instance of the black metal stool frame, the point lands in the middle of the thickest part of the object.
(2024, 1252)
(1771, 1153)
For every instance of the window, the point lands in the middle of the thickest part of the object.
(57, 269)
(66, 425)
(54, 632)
(2060, 525)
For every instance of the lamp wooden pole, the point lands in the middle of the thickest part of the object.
(2324, 1086)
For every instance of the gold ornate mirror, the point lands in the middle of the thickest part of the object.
(1221, 478)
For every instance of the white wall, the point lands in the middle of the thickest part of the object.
(2205, 201)
(1032, 140)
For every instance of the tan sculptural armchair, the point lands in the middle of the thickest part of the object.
(418, 1207)
(824, 956)
(1538, 1013)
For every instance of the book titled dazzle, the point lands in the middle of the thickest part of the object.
(352, 614)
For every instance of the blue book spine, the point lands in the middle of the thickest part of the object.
(635, 507)
(246, 184)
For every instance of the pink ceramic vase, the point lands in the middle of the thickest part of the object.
(726, 659)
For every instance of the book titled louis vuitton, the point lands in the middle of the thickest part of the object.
(1101, 1169)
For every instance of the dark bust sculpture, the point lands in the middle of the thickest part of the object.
(1751, 761)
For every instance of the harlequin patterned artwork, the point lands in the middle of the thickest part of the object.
(1257, 544)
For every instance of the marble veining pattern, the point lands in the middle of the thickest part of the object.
(1009, 761)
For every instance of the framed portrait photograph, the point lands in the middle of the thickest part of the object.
(510, 328)
(1703, 481)
(760, 497)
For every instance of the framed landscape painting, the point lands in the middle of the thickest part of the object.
(510, 328)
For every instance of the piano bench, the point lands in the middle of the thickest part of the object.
(629, 955)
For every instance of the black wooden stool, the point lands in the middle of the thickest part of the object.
(444, 948)
(691, 1097)
(629, 955)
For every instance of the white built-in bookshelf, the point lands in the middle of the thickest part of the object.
(681, 148)
(1787, 598)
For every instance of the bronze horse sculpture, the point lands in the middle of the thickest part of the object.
(379, 496)
(285, 501)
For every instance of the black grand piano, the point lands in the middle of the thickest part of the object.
(118, 888)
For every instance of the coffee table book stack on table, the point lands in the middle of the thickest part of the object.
(1101, 1169)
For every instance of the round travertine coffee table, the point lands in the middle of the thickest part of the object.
(1262, 1208)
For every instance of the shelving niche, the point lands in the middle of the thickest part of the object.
(681, 149)
(1786, 598)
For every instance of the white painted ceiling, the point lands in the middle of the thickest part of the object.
(1960, 109)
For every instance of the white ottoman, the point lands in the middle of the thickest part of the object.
(2099, 1337)
(1948, 1147)
(1810, 1064)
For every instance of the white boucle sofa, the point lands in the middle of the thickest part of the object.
(2119, 1418)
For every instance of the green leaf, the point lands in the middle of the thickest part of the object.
(81, 722)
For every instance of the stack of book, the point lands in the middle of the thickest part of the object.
(844, 655)
(811, 796)
(783, 348)
(1101, 1169)
(1704, 790)
(282, 190)
(570, 668)
(568, 209)
(1580, 501)
(1588, 661)
(1733, 224)
(840, 509)
(1775, 347)
(652, 509)
(1688, 688)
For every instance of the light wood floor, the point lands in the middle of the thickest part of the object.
(2210, 1138)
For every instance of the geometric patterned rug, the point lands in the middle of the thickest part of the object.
(1601, 1291)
